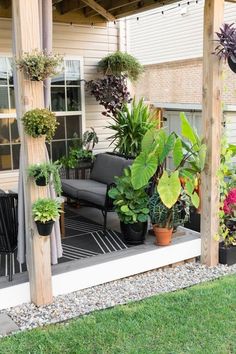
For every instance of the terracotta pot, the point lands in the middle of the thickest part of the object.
(163, 235)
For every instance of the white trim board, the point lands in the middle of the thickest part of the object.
(106, 271)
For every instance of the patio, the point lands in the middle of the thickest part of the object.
(84, 267)
(80, 269)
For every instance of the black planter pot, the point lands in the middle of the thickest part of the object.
(134, 234)
(232, 63)
(41, 181)
(194, 221)
(44, 229)
(227, 255)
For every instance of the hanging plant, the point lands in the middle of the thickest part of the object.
(120, 63)
(43, 172)
(39, 122)
(111, 92)
(38, 66)
(226, 48)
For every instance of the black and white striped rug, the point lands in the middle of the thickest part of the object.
(85, 238)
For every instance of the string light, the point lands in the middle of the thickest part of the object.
(158, 12)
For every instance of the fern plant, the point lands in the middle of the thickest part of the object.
(130, 125)
(120, 63)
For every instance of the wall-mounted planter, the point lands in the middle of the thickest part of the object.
(45, 229)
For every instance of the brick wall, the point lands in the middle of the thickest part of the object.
(180, 82)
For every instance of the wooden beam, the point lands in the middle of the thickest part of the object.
(69, 5)
(212, 118)
(5, 4)
(99, 9)
(29, 95)
(141, 6)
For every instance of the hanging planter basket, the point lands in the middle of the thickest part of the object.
(41, 181)
(45, 229)
(232, 63)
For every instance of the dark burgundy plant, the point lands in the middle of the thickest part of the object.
(227, 41)
(111, 92)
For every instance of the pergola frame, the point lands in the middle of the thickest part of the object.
(30, 95)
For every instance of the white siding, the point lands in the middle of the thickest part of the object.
(172, 36)
(92, 43)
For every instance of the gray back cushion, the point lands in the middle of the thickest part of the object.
(107, 166)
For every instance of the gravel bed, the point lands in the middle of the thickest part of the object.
(117, 292)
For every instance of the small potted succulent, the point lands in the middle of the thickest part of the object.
(39, 122)
(227, 246)
(132, 208)
(45, 212)
(42, 173)
(226, 47)
(38, 66)
(166, 220)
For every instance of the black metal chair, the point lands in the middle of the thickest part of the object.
(94, 191)
(8, 227)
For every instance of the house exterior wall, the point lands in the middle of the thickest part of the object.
(180, 82)
(90, 43)
(170, 48)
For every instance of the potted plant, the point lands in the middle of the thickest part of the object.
(42, 173)
(227, 246)
(226, 47)
(166, 220)
(130, 125)
(39, 122)
(132, 208)
(120, 63)
(45, 212)
(38, 66)
(80, 153)
(150, 168)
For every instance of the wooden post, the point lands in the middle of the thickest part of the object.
(212, 117)
(29, 95)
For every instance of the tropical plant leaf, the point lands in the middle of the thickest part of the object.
(187, 131)
(178, 152)
(169, 188)
(149, 140)
(168, 146)
(202, 156)
(189, 187)
(143, 168)
(195, 199)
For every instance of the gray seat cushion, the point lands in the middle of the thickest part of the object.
(87, 190)
(107, 166)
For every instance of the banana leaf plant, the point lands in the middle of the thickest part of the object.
(188, 152)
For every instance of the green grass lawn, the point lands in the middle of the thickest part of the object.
(201, 319)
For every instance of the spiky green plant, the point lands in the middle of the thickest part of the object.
(130, 125)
